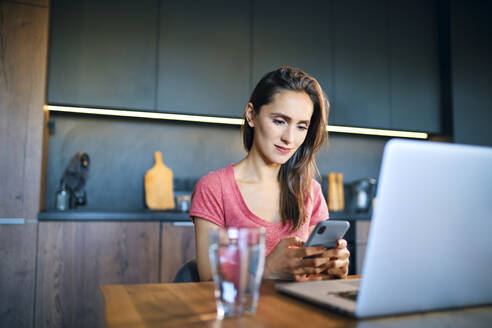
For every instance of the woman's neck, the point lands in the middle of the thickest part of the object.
(254, 169)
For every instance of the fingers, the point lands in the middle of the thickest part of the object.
(339, 253)
(314, 277)
(338, 268)
(308, 270)
(338, 272)
(305, 251)
(322, 264)
(337, 264)
(317, 265)
(341, 243)
(292, 241)
(333, 267)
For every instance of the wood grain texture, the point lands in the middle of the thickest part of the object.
(23, 47)
(76, 257)
(177, 248)
(44, 161)
(17, 254)
(193, 305)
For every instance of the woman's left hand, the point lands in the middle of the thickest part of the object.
(336, 262)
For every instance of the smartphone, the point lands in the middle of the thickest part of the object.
(326, 233)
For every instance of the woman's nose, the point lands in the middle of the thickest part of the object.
(288, 135)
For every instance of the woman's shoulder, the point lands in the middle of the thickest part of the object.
(315, 192)
(215, 177)
(315, 187)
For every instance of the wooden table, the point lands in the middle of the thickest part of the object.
(193, 305)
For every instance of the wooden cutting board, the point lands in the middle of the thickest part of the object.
(159, 194)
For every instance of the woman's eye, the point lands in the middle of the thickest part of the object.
(278, 122)
(302, 127)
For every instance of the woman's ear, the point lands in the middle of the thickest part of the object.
(249, 114)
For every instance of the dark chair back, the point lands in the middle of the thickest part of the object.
(188, 273)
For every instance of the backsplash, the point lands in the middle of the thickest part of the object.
(122, 150)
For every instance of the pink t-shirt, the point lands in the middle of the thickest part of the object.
(217, 198)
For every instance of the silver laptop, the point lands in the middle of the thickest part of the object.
(430, 242)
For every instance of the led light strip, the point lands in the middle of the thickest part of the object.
(377, 132)
(139, 114)
(223, 120)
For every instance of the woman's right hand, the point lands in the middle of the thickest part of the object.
(288, 260)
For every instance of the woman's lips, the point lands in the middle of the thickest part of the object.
(283, 150)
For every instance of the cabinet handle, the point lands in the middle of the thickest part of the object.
(183, 224)
(12, 221)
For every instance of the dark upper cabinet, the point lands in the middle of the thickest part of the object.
(204, 57)
(414, 66)
(103, 53)
(361, 92)
(377, 61)
(295, 33)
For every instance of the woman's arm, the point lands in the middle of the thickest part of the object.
(202, 227)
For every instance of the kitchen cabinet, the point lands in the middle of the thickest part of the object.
(306, 44)
(386, 69)
(356, 238)
(177, 248)
(204, 49)
(471, 71)
(414, 66)
(103, 53)
(377, 61)
(75, 258)
(17, 272)
(361, 236)
(361, 90)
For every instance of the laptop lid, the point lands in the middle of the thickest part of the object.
(430, 241)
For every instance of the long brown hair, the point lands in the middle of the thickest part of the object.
(296, 174)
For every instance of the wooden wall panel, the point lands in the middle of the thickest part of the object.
(18, 257)
(177, 248)
(75, 258)
(23, 47)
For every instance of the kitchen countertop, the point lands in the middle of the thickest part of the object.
(113, 215)
(148, 215)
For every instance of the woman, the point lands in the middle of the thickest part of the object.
(273, 186)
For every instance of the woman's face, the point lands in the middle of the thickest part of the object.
(281, 126)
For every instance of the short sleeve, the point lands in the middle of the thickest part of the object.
(320, 209)
(206, 199)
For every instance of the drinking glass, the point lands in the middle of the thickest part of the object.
(237, 259)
